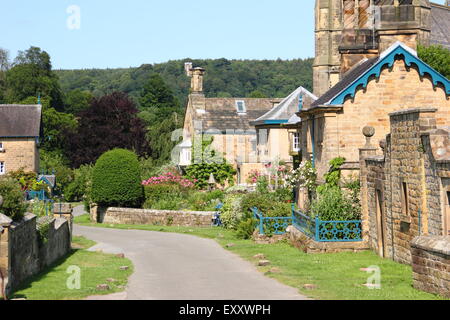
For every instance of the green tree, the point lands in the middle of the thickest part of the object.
(162, 114)
(4, 66)
(437, 57)
(77, 100)
(32, 75)
(116, 180)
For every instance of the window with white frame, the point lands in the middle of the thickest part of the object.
(296, 142)
(1, 146)
(2, 168)
(240, 106)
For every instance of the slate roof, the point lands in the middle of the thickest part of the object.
(221, 113)
(285, 111)
(440, 25)
(349, 78)
(50, 179)
(20, 120)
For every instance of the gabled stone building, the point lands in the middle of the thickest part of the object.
(395, 80)
(279, 126)
(20, 127)
(227, 121)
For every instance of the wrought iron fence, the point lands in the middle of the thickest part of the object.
(271, 225)
(40, 195)
(320, 231)
(304, 223)
(338, 231)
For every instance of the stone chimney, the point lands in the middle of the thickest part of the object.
(188, 68)
(197, 80)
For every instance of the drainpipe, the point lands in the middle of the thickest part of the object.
(313, 141)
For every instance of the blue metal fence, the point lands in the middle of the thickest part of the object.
(271, 225)
(40, 195)
(320, 231)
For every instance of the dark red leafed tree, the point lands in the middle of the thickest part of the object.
(110, 122)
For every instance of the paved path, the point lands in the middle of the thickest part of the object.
(172, 266)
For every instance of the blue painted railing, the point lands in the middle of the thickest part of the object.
(338, 231)
(271, 225)
(327, 231)
(320, 231)
(304, 223)
(40, 195)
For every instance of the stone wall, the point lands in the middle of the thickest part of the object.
(403, 189)
(308, 245)
(152, 217)
(20, 153)
(431, 264)
(22, 252)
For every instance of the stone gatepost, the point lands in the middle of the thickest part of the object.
(64, 210)
(365, 152)
(5, 224)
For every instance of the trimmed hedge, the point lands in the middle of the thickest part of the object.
(116, 180)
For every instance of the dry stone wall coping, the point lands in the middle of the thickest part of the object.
(440, 245)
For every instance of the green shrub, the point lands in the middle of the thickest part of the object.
(270, 204)
(78, 189)
(223, 173)
(232, 211)
(163, 196)
(332, 205)
(246, 228)
(14, 204)
(116, 180)
(262, 184)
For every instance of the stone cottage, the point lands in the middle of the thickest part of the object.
(227, 121)
(20, 127)
(277, 130)
(395, 80)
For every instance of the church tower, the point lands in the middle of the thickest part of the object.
(328, 29)
(348, 31)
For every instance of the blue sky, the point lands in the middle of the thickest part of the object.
(128, 33)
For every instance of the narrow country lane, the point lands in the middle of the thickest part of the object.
(183, 267)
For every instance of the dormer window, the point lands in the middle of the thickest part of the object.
(240, 106)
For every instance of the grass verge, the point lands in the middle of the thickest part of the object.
(96, 268)
(337, 276)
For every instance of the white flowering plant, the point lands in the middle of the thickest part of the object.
(304, 176)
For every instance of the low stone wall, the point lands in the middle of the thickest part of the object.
(22, 252)
(308, 245)
(264, 239)
(152, 217)
(431, 264)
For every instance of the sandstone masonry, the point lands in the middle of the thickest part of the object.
(151, 217)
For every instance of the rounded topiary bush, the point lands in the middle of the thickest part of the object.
(116, 180)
